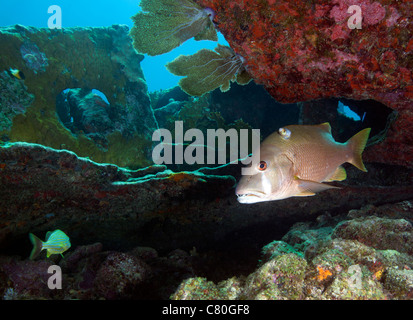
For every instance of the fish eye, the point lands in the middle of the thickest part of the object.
(262, 166)
(285, 133)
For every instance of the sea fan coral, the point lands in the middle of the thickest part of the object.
(207, 70)
(166, 24)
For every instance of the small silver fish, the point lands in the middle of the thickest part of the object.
(56, 242)
(346, 111)
(295, 160)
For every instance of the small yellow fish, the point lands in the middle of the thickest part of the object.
(17, 73)
(56, 242)
(295, 160)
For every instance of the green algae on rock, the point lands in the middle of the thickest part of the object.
(379, 233)
(280, 278)
(197, 289)
(400, 283)
(90, 58)
(338, 269)
(355, 283)
(14, 99)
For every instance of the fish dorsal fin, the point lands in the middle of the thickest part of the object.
(309, 188)
(339, 175)
(48, 234)
(325, 126)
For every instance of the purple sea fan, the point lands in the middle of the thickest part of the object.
(165, 24)
(35, 60)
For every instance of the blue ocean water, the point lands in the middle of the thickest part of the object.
(100, 14)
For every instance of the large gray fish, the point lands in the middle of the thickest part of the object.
(295, 160)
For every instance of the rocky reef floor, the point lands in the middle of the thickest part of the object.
(156, 234)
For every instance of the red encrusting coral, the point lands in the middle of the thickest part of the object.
(289, 46)
(305, 50)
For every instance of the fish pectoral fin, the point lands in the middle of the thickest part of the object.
(339, 175)
(305, 194)
(309, 188)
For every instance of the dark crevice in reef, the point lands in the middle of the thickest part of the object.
(347, 117)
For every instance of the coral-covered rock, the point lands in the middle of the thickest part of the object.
(306, 239)
(144, 253)
(26, 279)
(71, 261)
(14, 99)
(88, 112)
(337, 269)
(280, 278)
(331, 262)
(197, 289)
(355, 283)
(86, 58)
(34, 59)
(400, 210)
(128, 199)
(400, 283)
(275, 249)
(84, 111)
(397, 147)
(379, 233)
(306, 51)
(120, 275)
(201, 289)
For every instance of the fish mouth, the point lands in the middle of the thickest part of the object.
(250, 197)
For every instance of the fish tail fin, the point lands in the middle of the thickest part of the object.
(37, 246)
(357, 143)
